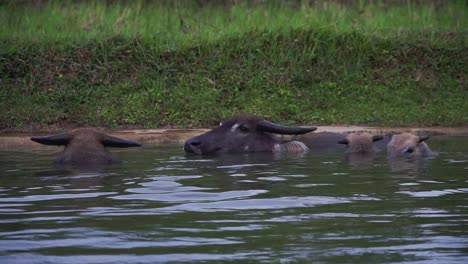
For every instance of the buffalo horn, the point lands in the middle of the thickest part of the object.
(115, 142)
(57, 140)
(286, 130)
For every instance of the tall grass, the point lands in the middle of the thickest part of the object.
(176, 63)
(183, 22)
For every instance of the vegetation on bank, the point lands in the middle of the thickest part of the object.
(179, 64)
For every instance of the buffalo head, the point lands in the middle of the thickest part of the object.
(360, 142)
(246, 133)
(85, 146)
(409, 145)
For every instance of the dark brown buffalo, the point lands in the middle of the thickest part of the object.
(246, 133)
(85, 146)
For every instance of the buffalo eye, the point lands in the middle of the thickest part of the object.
(243, 129)
(410, 150)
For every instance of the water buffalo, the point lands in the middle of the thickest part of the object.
(360, 142)
(323, 142)
(85, 146)
(356, 142)
(246, 133)
(408, 145)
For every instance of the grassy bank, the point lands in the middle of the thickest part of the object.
(143, 65)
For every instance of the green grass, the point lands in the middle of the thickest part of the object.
(153, 65)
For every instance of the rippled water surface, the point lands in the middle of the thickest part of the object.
(164, 206)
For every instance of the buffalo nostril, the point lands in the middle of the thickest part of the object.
(195, 143)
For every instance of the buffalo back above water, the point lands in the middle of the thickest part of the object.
(354, 142)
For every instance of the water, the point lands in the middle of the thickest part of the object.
(164, 206)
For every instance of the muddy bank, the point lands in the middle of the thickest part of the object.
(148, 137)
(153, 137)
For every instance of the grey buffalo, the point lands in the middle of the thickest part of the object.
(247, 133)
(408, 145)
(85, 146)
(323, 142)
(355, 142)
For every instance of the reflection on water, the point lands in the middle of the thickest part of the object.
(163, 206)
(361, 160)
(408, 167)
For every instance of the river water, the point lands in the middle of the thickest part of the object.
(165, 206)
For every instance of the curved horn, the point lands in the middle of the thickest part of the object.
(286, 130)
(115, 142)
(56, 140)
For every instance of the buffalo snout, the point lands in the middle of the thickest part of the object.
(193, 145)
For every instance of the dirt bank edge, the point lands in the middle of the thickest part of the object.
(155, 137)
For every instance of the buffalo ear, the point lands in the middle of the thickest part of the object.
(376, 138)
(391, 134)
(56, 140)
(343, 141)
(115, 142)
(423, 138)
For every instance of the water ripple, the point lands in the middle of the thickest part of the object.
(435, 193)
(249, 208)
(189, 196)
(164, 187)
(234, 205)
(29, 258)
(239, 166)
(111, 243)
(35, 198)
(272, 178)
